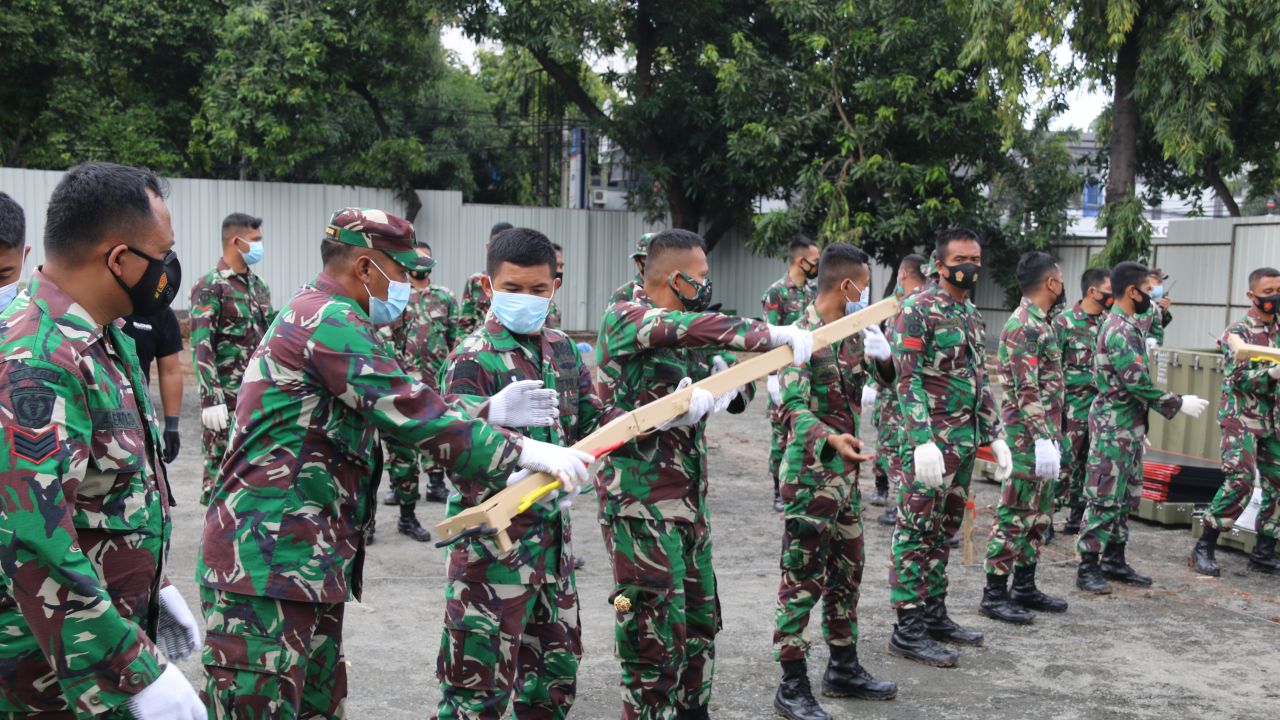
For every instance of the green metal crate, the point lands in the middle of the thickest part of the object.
(1188, 372)
(1236, 538)
(1167, 513)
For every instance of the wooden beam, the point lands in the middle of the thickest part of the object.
(492, 517)
(1245, 352)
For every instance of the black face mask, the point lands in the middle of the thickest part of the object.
(1267, 303)
(701, 299)
(158, 285)
(1108, 300)
(810, 269)
(963, 275)
(1142, 305)
(560, 276)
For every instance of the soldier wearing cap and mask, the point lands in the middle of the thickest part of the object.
(91, 624)
(283, 544)
(639, 256)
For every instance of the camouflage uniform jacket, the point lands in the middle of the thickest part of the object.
(229, 315)
(398, 332)
(475, 306)
(1078, 333)
(886, 414)
(1153, 322)
(553, 316)
(287, 520)
(1030, 358)
(1125, 389)
(822, 399)
(484, 363)
(436, 332)
(941, 374)
(1248, 392)
(84, 512)
(627, 292)
(784, 302)
(643, 352)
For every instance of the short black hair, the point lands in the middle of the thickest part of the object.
(1092, 278)
(422, 244)
(241, 220)
(93, 199)
(946, 236)
(671, 240)
(520, 246)
(1254, 277)
(1126, 275)
(1033, 267)
(13, 223)
(557, 246)
(911, 267)
(497, 228)
(798, 244)
(332, 250)
(837, 264)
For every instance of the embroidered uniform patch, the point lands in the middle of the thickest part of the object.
(33, 406)
(33, 447)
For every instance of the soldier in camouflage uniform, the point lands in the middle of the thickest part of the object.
(85, 606)
(475, 304)
(283, 543)
(886, 415)
(553, 312)
(1030, 357)
(784, 303)
(1117, 427)
(1078, 332)
(230, 312)
(947, 412)
(653, 490)
(511, 633)
(431, 341)
(1152, 321)
(641, 253)
(1250, 446)
(822, 545)
(13, 248)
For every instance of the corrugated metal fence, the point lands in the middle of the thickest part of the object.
(597, 243)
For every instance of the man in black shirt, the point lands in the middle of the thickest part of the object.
(160, 338)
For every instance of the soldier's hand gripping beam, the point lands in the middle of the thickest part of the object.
(1252, 353)
(493, 516)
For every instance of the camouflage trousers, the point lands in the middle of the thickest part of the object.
(665, 630)
(403, 465)
(1022, 515)
(1075, 462)
(1111, 492)
(822, 557)
(1245, 455)
(269, 659)
(778, 442)
(927, 519)
(516, 645)
(214, 444)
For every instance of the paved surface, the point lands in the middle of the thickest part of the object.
(1188, 647)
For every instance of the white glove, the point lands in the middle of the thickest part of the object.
(524, 404)
(179, 635)
(170, 697)
(567, 465)
(1004, 460)
(1152, 344)
(801, 341)
(1192, 405)
(1274, 372)
(718, 365)
(214, 418)
(1048, 459)
(874, 345)
(929, 465)
(699, 405)
(775, 390)
(869, 394)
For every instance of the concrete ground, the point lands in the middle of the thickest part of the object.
(1188, 647)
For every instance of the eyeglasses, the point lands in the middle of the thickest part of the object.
(419, 274)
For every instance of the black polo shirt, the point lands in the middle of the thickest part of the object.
(155, 337)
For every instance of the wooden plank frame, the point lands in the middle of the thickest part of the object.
(492, 517)
(1252, 353)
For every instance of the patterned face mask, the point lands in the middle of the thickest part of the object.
(701, 299)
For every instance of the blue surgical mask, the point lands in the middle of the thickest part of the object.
(7, 294)
(853, 306)
(253, 255)
(521, 314)
(1157, 292)
(385, 311)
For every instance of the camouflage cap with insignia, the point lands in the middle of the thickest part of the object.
(642, 246)
(379, 230)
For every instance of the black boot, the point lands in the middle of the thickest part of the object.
(1263, 557)
(911, 640)
(1202, 555)
(408, 525)
(795, 697)
(1074, 518)
(1089, 576)
(1115, 568)
(436, 491)
(845, 677)
(1025, 593)
(940, 626)
(890, 516)
(368, 531)
(997, 605)
(699, 713)
(953, 542)
(881, 495)
(390, 497)
(1048, 532)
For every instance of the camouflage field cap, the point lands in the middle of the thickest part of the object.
(379, 230)
(930, 267)
(642, 246)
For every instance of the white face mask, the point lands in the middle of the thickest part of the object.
(7, 294)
